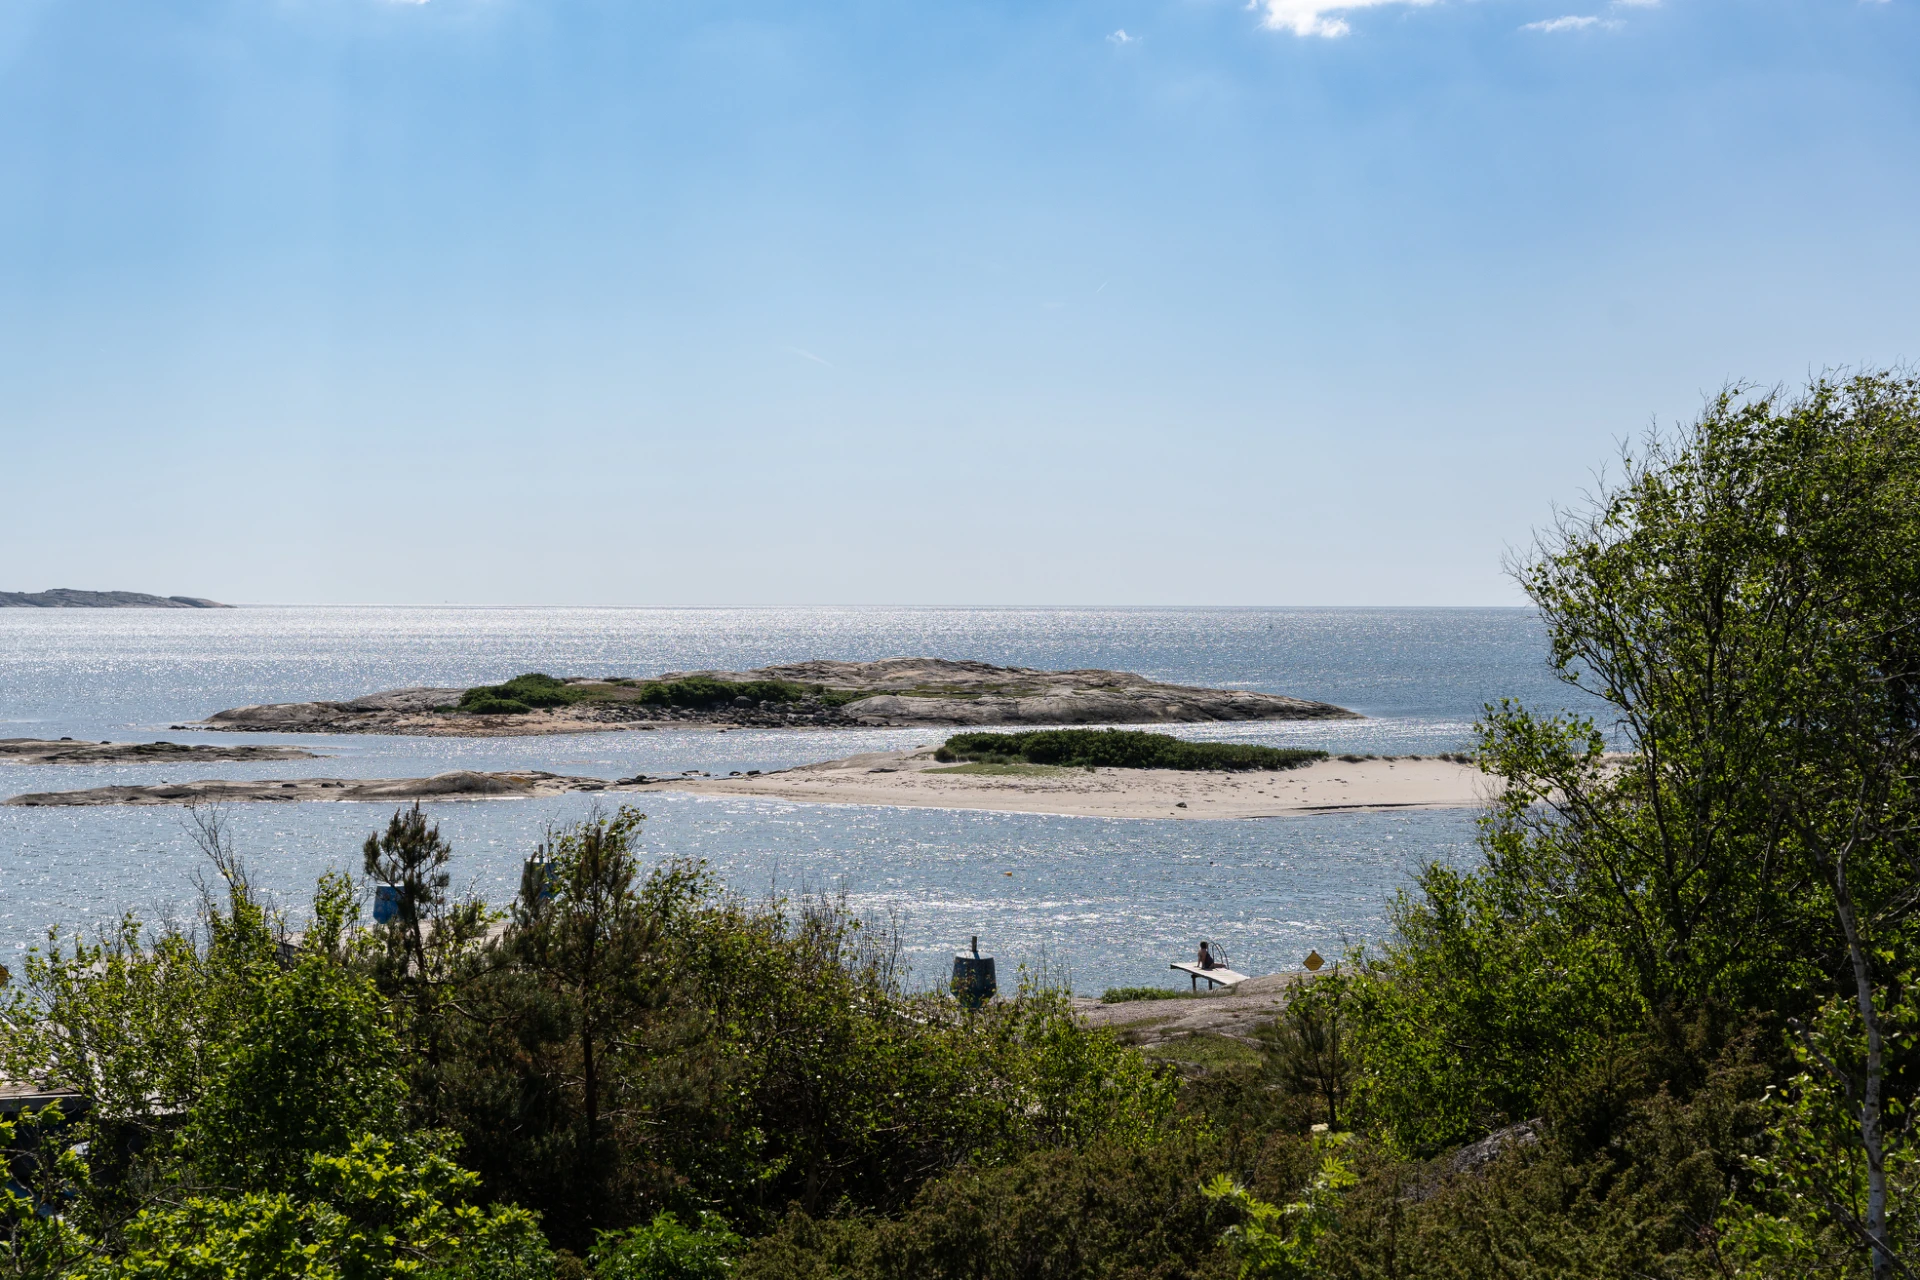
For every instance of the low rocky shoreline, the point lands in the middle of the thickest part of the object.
(893, 692)
(68, 751)
(459, 785)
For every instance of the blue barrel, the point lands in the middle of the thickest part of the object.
(973, 983)
(386, 902)
(536, 881)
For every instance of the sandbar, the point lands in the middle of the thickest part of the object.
(914, 779)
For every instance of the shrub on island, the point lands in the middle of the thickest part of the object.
(536, 689)
(518, 696)
(1118, 749)
(701, 692)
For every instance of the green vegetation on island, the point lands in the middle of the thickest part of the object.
(536, 690)
(1116, 749)
(1665, 1024)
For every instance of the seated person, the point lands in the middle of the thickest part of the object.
(1206, 959)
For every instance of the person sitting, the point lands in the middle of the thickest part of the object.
(1206, 959)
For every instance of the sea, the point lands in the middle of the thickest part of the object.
(1093, 902)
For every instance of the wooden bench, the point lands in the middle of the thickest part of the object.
(1216, 977)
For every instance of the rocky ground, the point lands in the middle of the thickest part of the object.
(460, 785)
(891, 692)
(67, 751)
(1235, 1013)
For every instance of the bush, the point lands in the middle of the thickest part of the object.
(1103, 1213)
(703, 693)
(518, 696)
(488, 704)
(1118, 749)
(667, 1249)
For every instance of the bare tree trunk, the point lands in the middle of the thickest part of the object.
(1870, 1120)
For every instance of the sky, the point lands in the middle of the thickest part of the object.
(984, 302)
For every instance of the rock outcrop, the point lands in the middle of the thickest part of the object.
(459, 785)
(67, 751)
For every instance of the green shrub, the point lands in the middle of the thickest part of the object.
(1118, 749)
(1101, 1213)
(488, 704)
(667, 1249)
(704, 693)
(518, 695)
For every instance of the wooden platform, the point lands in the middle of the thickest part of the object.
(1216, 977)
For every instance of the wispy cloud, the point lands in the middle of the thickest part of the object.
(1121, 37)
(798, 351)
(1568, 23)
(1316, 17)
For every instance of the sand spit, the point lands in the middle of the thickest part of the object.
(459, 785)
(914, 779)
(67, 751)
(894, 692)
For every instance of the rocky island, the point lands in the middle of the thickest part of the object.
(893, 692)
(68, 598)
(67, 751)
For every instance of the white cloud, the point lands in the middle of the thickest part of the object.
(1121, 37)
(1315, 17)
(1568, 23)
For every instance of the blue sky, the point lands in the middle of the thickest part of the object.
(1142, 301)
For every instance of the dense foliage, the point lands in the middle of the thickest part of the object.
(1117, 749)
(1740, 879)
(637, 1063)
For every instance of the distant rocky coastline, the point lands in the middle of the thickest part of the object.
(893, 692)
(67, 598)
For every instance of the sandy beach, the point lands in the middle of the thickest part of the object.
(915, 779)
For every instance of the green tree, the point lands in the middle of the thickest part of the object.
(582, 933)
(1743, 603)
(315, 1068)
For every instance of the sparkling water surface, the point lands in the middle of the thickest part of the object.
(1109, 901)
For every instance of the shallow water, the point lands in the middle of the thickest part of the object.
(1111, 901)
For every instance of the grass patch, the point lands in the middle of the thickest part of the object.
(1008, 770)
(1205, 1050)
(1117, 749)
(1127, 995)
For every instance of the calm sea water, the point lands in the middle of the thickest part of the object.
(1112, 902)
